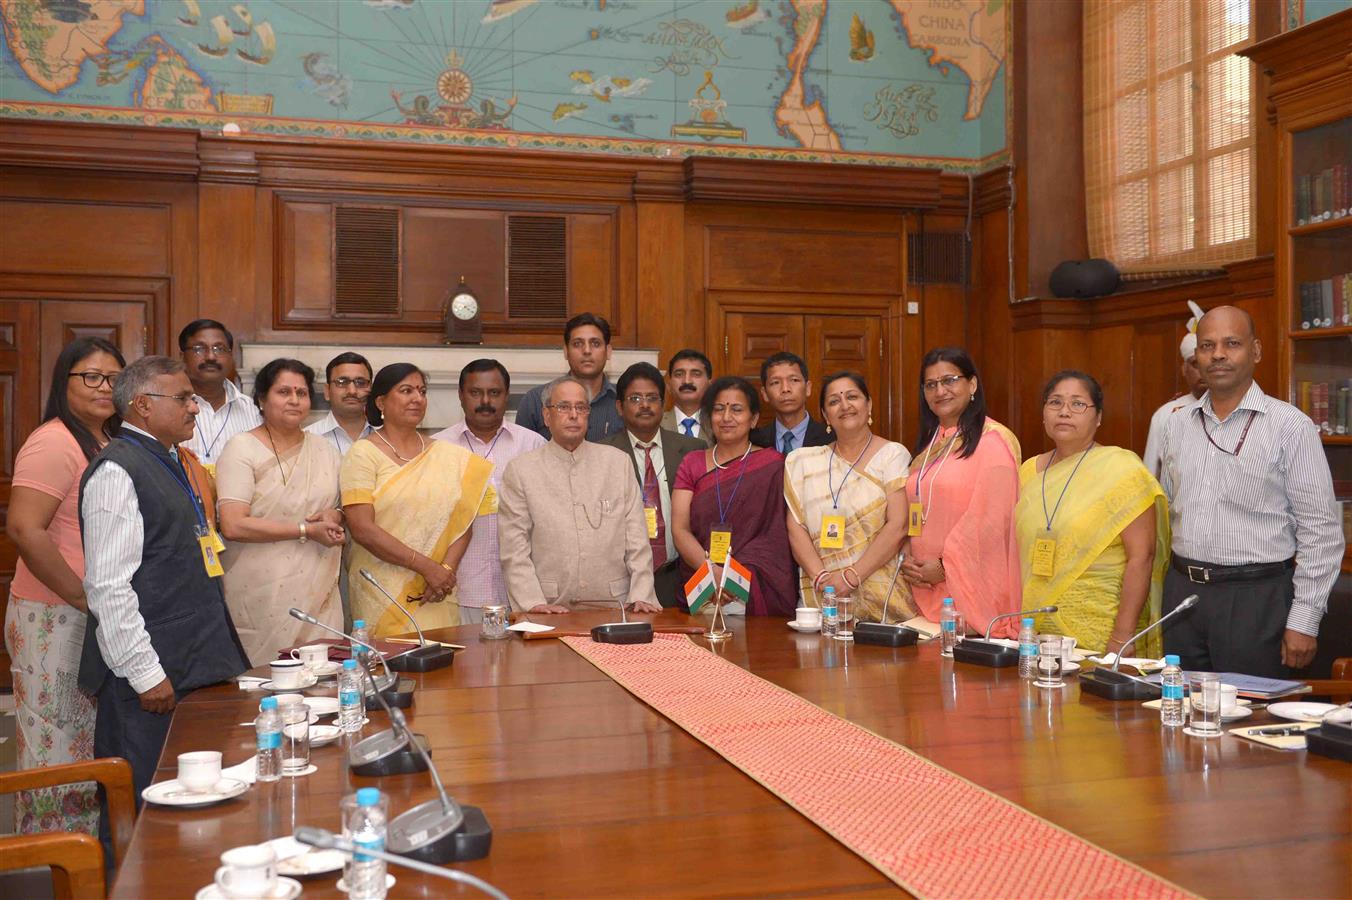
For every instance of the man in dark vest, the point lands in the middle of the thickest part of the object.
(159, 624)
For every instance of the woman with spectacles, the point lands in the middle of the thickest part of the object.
(409, 502)
(277, 490)
(960, 494)
(46, 615)
(732, 495)
(1093, 527)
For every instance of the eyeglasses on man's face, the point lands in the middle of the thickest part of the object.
(360, 384)
(95, 379)
(948, 383)
(567, 409)
(1077, 406)
(212, 350)
(641, 399)
(181, 399)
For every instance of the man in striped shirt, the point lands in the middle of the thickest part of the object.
(1254, 520)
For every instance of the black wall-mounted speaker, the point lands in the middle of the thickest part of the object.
(1081, 278)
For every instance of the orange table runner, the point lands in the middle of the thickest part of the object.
(931, 831)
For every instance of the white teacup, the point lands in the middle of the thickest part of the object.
(199, 770)
(1229, 698)
(808, 617)
(312, 656)
(248, 871)
(287, 673)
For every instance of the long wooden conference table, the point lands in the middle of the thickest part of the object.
(591, 793)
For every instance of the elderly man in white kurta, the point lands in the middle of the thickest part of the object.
(571, 527)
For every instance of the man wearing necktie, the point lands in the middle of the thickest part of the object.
(785, 387)
(688, 376)
(656, 453)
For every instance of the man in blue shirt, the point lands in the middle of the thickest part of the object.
(586, 347)
(785, 387)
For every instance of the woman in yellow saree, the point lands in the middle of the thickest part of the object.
(1093, 528)
(410, 503)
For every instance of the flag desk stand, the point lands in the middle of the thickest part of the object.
(926, 828)
(718, 628)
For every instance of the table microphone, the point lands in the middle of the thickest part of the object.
(440, 830)
(394, 751)
(881, 633)
(425, 657)
(326, 840)
(623, 631)
(988, 653)
(1111, 684)
(398, 691)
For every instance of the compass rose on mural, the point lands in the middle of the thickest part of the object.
(454, 84)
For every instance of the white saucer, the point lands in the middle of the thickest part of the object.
(316, 862)
(1070, 668)
(286, 889)
(307, 681)
(1301, 711)
(171, 793)
(804, 629)
(1197, 734)
(389, 883)
(327, 669)
(1234, 715)
(322, 706)
(324, 734)
(308, 770)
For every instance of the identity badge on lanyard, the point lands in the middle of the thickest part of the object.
(1044, 547)
(207, 539)
(720, 536)
(915, 520)
(832, 536)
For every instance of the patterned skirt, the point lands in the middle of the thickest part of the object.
(55, 718)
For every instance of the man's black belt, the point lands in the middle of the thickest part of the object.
(1210, 573)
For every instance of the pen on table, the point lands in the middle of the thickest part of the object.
(1289, 730)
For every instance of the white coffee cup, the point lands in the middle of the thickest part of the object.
(808, 617)
(312, 656)
(199, 770)
(248, 871)
(287, 673)
(1229, 698)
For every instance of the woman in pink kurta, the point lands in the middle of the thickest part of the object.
(963, 484)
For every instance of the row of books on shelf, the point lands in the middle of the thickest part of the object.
(1327, 303)
(1324, 195)
(1346, 507)
(1327, 404)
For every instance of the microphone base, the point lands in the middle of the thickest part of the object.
(1112, 685)
(1330, 739)
(400, 695)
(881, 635)
(623, 633)
(471, 839)
(985, 653)
(385, 753)
(428, 658)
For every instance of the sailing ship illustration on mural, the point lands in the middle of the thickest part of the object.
(192, 13)
(709, 120)
(257, 42)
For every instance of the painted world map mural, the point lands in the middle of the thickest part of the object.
(895, 82)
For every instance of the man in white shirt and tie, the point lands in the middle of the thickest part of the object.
(208, 350)
(688, 376)
(347, 384)
(657, 454)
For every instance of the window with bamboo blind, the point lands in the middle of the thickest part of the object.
(1169, 133)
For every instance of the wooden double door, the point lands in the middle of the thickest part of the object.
(32, 332)
(853, 340)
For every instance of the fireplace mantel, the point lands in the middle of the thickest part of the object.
(529, 367)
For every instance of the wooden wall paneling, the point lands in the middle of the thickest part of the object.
(1154, 345)
(665, 320)
(1110, 359)
(850, 343)
(441, 245)
(593, 274)
(20, 411)
(794, 259)
(124, 324)
(748, 338)
(304, 260)
(229, 260)
(86, 235)
(990, 322)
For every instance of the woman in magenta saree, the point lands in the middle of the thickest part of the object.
(738, 488)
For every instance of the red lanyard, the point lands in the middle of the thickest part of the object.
(1235, 452)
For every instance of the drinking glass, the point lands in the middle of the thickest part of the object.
(959, 628)
(1204, 699)
(1049, 664)
(844, 619)
(295, 738)
(494, 626)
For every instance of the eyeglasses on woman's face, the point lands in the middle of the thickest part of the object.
(1075, 404)
(948, 383)
(96, 379)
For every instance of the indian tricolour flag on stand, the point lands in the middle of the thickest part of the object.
(737, 580)
(700, 589)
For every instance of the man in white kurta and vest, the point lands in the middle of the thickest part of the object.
(159, 624)
(571, 528)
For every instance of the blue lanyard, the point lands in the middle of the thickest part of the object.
(831, 473)
(489, 454)
(206, 451)
(718, 487)
(182, 479)
(1051, 518)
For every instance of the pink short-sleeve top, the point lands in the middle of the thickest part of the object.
(51, 462)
